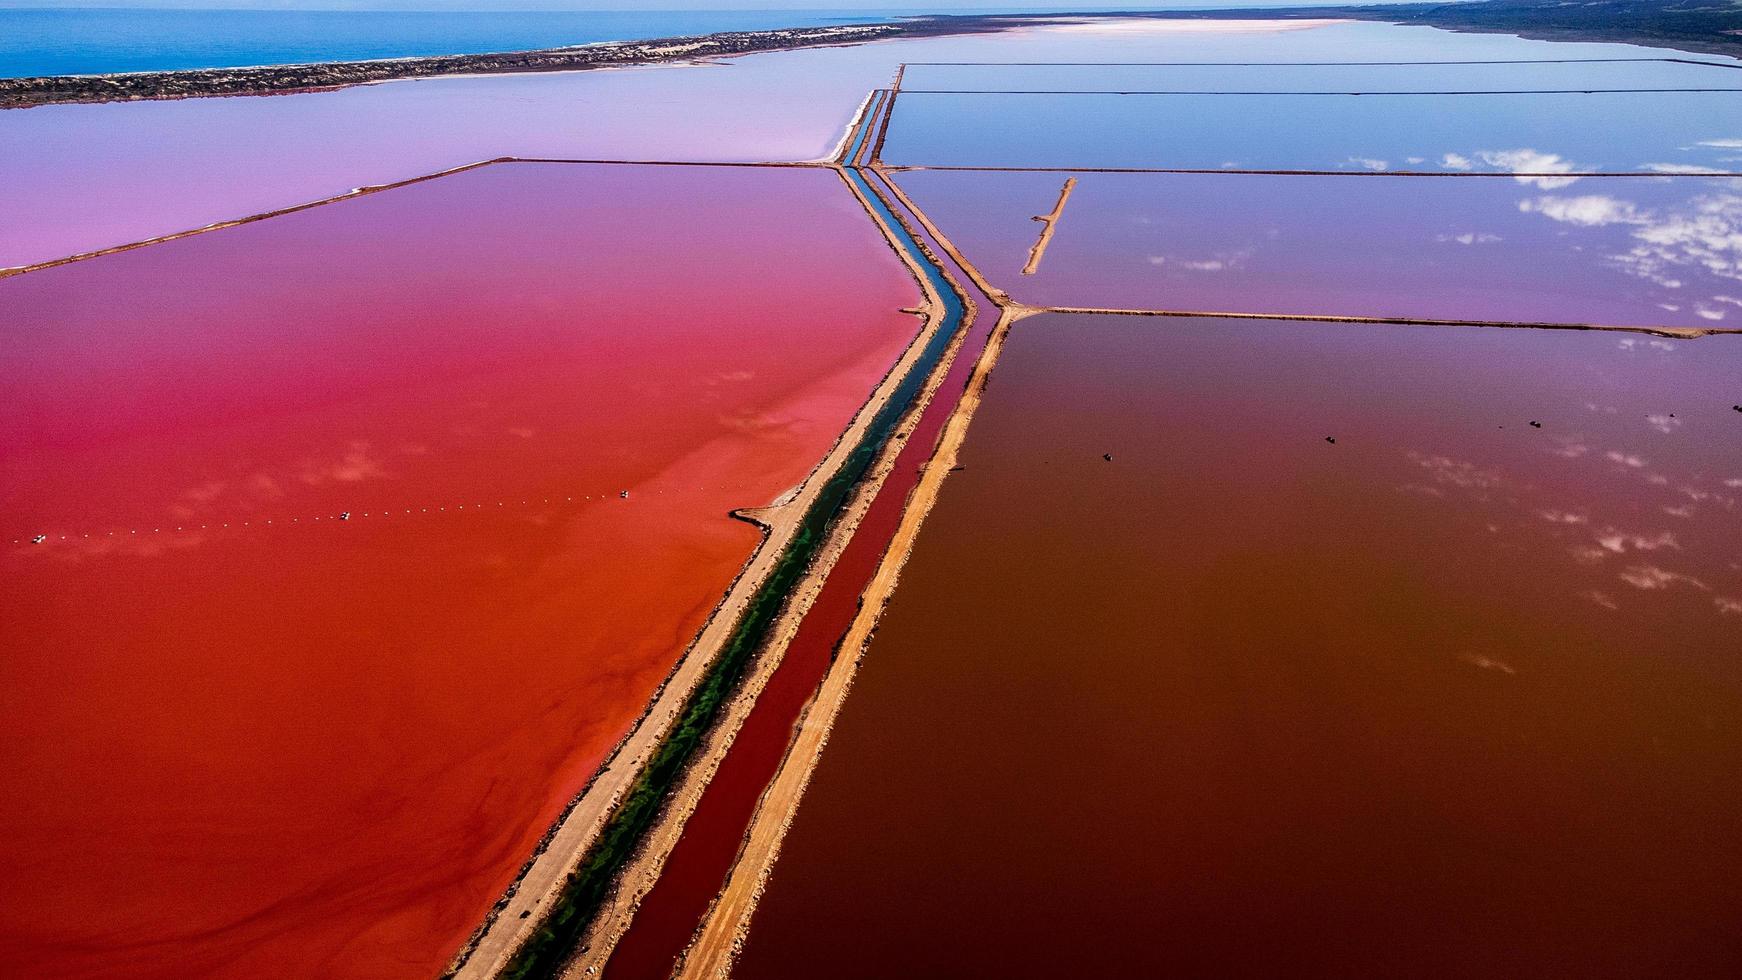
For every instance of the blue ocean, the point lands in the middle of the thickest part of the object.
(101, 40)
(79, 41)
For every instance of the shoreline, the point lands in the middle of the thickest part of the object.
(25, 93)
(1635, 22)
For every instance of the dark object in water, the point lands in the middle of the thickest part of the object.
(345, 516)
(623, 494)
(1107, 456)
(1535, 424)
(39, 539)
(1331, 440)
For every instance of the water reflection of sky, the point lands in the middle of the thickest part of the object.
(1604, 132)
(74, 178)
(1603, 75)
(1664, 251)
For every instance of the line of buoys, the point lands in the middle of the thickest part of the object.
(346, 515)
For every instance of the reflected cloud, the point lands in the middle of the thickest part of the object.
(1619, 542)
(1368, 163)
(1708, 237)
(1470, 238)
(1486, 663)
(1572, 450)
(1457, 472)
(1727, 606)
(354, 466)
(1688, 169)
(1624, 459)
(1635, 343)
(1586, 210)
(1531, 165)
(1651, 578)
(1219, 262)
(1663, 423)
(1600, 598)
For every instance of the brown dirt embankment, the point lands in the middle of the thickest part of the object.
(722, 933)
(1049, 224)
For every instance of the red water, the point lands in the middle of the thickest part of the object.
(699, 864)
(1453, 695)
(243, 737)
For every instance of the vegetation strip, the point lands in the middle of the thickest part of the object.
(726, 923)
(546, 952)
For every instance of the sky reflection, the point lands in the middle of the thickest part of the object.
(1605, 75)
(1650, 251)
(1597, 133)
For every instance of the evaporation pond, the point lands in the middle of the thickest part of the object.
(1453, 695)
(1632, 251)
(339, 601)
(1602, 132)
(1442, 76)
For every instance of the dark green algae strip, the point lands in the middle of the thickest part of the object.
(545, 954)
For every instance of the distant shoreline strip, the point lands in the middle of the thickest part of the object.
(23, 93)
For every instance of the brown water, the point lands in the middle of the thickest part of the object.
(1451, 695)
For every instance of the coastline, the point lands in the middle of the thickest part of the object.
(1647, 23)
(24, 93)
